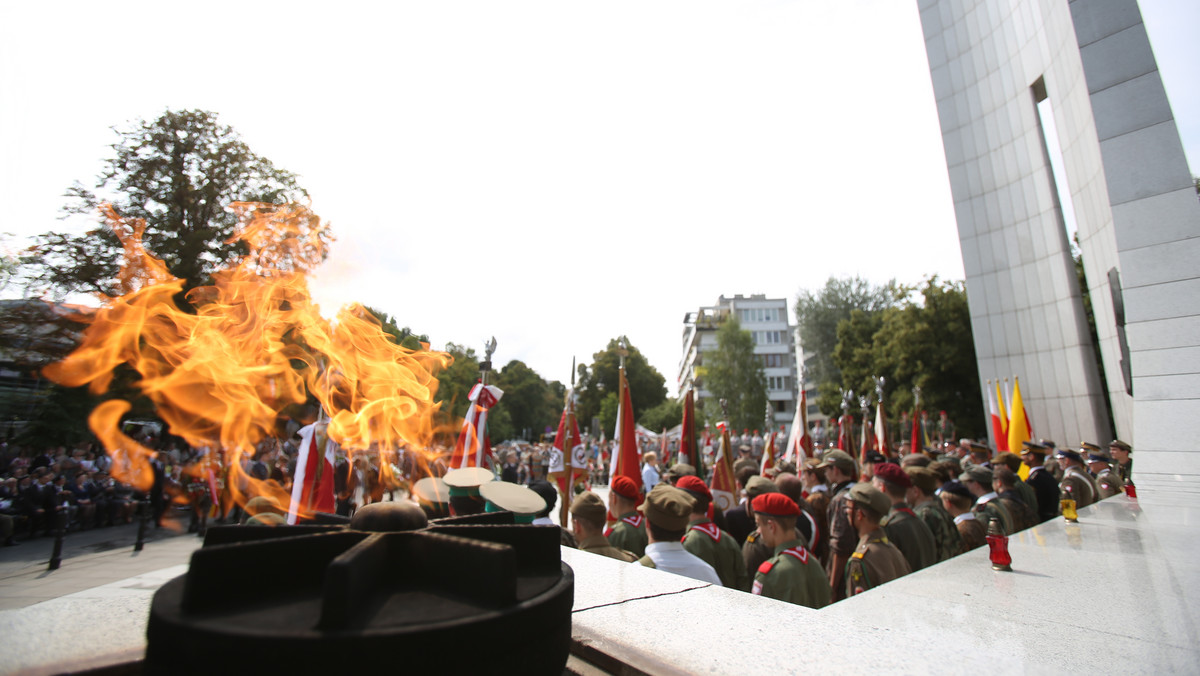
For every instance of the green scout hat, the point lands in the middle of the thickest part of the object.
(865, 494)
(838, 459)
(923, 478)
(668, 507)
(502, 496)
(757, 485)
(589, 508)
(977, 473)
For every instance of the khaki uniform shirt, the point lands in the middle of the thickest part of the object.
(994, 509)
(911, 536)
(1077, 487)
(973, 532)
(629, 533)
(719, 550)
(598, 544)
(793, 575)
(873, 563)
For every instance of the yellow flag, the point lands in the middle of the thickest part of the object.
(1018, 424)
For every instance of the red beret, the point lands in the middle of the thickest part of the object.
(891, 473)
(694, 484)
(775, 504)
(624, 487)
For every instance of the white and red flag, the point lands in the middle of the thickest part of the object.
(626, 459)
(800, 442)
(312, 487)
(568, 459)
(882, 438)
(768, 457)
(999, 430)
(474, 448)
(723, 486)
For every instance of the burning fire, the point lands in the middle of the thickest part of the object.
(250, 346)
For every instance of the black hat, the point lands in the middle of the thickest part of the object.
(956, 488)
(1069, 454)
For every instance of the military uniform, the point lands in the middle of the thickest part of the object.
(598, 544)
(629, 533)
(911, 536)
(992, 508)
(945, 536)
(972, 530)
(793, 575)
(1110, 483)
(1027, 495)
(841, 533)
(1022, 515)
(873, 563)
(1077, 486)
(719, 550)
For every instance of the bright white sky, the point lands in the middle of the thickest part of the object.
(552, 173)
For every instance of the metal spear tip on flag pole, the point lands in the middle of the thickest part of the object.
(916, 391)
(485, 366)
(879, 382)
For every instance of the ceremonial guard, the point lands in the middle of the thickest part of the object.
(704, 539)
(1100, 464)
(629, 532)
(793, 574)
(1076, 484)
(1123, 454)
(875, 561)
(521, 501)
(587, 524)
(1045, 488)
(930, 510)
(904, 528)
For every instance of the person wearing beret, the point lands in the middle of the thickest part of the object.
(876, 560)
(792, 574)
(704, 539)
(1076, 483)
(754, 550)
(668, 510)
(1123, 454)
(957, 500)
(904, 528)
(587, 524)
(1100, 464)
(1045, 488)
(629, 532)
(978, 481)
(840, 470)
(930, 510)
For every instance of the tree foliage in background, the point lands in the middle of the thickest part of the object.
(818, 315)
(925, 341)
(664, 416)
(647, 387)
(732, 372)
(456, 381)
(179, 172)
(531, 403)
(400, 336)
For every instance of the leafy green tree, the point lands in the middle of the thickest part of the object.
(733, 373)
(179, 172)
(456, 381)
(925, 341)
(528, 399)
(647, 387)
(819, 313)
(400, 336)
(664, 416)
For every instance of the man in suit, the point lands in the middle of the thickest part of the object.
(1045, 488)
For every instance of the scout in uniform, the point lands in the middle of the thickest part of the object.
(875, 561)
(502, 496)
(704, 539)
(792, 574)
(840, 471)
(629, 532)
(1123, 454)
(754, 551)
(1100, 464)
(957, 501)
(930, 510)
(464, 486)
(668, 511)
(1076, 484)
(587, 524)
(904, 528)
(1024, 490)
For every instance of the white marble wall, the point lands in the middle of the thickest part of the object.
(1027, 313)
(1156, 227)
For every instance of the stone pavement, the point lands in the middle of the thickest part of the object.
(90, 558)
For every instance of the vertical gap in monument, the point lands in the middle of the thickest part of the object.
(1066, 207)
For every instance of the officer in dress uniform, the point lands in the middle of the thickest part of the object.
(433, 495)
(704, 539)
(521, 501)
(1076, 484)
(1123, 454)
(792, 574)
(904, 528)
(587, 524)
(1045, 488)
(930, 510)
(464, 484)
(629, 532)
(1100, 464)
(876, 560)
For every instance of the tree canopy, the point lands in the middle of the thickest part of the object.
(733, 373)
(647, 387)
(179, 172)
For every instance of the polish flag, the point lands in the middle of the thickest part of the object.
(474, 448)
(312, 487)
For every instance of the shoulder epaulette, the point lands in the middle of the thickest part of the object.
(766, 567)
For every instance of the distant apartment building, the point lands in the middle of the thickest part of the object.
(767, 321)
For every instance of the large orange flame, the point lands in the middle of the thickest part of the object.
(222, 372)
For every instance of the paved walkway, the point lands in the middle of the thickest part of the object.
(90, 558)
